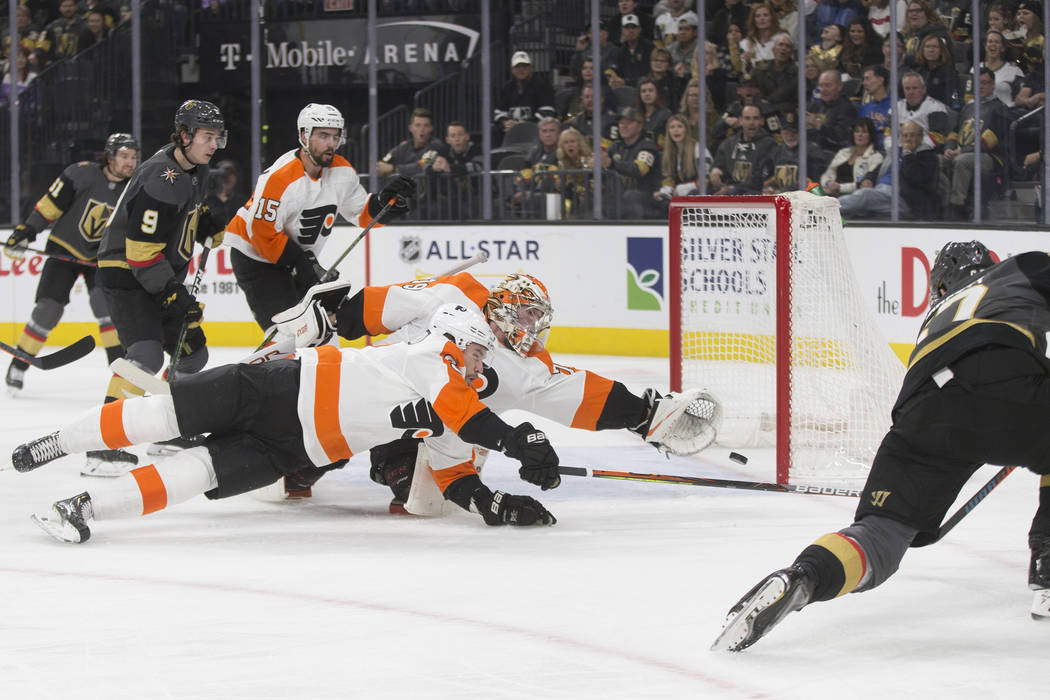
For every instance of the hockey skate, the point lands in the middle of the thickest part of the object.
(764, 606)
(1039, 579)
(167, 448)
(15, 372)
(108, 463)
(67, 519)
(36, 453)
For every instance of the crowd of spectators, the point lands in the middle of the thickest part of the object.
(649, 78)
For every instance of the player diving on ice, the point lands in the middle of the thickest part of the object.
(323, 406)
(977, 391)
(520, 373)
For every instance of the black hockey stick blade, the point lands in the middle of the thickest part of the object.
(705, 481)
(70, 353)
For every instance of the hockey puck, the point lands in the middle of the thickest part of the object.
(738, 458)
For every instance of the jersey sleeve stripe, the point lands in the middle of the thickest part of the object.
(151, 487)
(444, 477)
(326, 404)
(111, 425)
(375, 300)
(456, 403)
(466, 283)
(141, 254)
(595, 393)
(262, 234)
(47, 209)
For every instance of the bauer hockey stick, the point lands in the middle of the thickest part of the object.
(177, 352)
(330, 275)
(964, 510)
(705, 481)
(64, 356)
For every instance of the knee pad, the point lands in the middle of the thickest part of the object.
(147, 354)
(46, 314)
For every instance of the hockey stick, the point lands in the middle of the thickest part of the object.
(329, 275)
(177, 352)
(705, 481)
(63, 258)
(64, 356)
(139, 377)
(479, 257)
(964, 510)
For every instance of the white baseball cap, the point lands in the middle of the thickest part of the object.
(519, 57)
(630, 19)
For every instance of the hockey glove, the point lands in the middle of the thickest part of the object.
(680, 424)
(399, 186)
(177, 301)
(20, 238)
(505, 509)
(539, 462)
(209, 226)
(308, 271)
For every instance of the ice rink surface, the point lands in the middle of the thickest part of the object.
(334, 598)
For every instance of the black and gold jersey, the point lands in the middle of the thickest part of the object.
(76, 206)
(1007, 305)
(153, 229)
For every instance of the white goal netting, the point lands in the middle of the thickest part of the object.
(840, 378)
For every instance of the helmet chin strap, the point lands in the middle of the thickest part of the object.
(306, 149)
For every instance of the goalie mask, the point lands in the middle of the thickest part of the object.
(956, 263)
(463, 326)
(521, 308)
(316, 116)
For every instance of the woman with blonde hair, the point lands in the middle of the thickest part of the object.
(574, 153)
(678, 167)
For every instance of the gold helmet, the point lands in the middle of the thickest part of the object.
(520, 307)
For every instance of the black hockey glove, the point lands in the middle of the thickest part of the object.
(177, 300)
(308, 271)
(22, 232)
(539, 462)
(505, 509)
(651, 397)
(209, 226)
(400, 186)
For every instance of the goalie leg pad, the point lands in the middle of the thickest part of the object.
(424, 496)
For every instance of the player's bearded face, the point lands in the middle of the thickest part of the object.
(474, 357)
(124, 162)
(323, 143)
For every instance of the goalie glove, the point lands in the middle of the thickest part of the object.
(680, 424)
(308, 323)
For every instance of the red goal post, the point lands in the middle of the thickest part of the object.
(785, 341)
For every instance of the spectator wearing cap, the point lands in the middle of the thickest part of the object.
(683, 48)
(633, 57)
(778, 79)
(783, 164)
(748, 93)
(666, 28)
(629, 7)
(635, 159)
(742, 160)
(1030, 20)
(828, 119)
(527, 96)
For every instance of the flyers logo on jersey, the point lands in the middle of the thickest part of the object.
(316, 223)
(418, 420)
(94, 219)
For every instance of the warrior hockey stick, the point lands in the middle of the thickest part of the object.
(972, 503)
(704, 481)
(68, 354)
(194, 290)
(330, 274)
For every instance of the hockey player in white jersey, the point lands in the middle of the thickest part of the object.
(521, 373)
(320, 408)
(280, 232)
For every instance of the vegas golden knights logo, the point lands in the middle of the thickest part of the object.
(878, 498)
(967, 133)
(785, 176)
(741, 171)
(94, 219)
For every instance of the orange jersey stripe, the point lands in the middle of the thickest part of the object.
(474, 290)
(595, 393)
(326, 404)
(111, 424)
(263, 234)
(457, 402)
(374, 301)
(444, 477)
(154, 495)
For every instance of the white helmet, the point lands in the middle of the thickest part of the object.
(462, 325)
(520, 307)
(315, 116)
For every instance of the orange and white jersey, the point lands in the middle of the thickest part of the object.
(576, 398)
(353, 399)
(289, 204)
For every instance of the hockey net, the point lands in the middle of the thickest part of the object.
(786, 342)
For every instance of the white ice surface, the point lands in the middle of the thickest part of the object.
(335, 598)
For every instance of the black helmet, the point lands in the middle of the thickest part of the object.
(956, 263)
(115, 142)
(200, 114)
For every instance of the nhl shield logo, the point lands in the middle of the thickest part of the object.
(411, 249)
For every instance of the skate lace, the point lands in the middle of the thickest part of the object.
(46, 449)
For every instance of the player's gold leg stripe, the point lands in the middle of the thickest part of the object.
(849, 554)
(1044, 481)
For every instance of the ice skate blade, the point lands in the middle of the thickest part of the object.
(1041, 605)
(59, 528)
(737, 628)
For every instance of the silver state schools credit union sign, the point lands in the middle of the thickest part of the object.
(322, 51)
